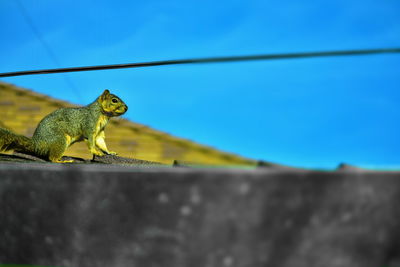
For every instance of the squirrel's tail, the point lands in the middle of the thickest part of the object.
(16, 142)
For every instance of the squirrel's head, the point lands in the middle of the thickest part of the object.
(111, 105)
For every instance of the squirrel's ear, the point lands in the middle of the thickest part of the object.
(105, 94)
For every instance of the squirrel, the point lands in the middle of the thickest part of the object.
(66, 126)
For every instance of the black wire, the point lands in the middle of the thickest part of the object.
(207, 60)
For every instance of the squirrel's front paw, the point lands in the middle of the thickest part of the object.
(97, 152)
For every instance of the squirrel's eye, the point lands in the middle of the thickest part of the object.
(114, 100)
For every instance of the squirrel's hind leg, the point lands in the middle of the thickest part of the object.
(63, 161)
(56, 152)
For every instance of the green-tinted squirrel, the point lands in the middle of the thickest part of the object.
(65, 126)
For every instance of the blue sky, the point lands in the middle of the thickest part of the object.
(312, 113)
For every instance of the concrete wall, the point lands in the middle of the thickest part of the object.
(102, 215)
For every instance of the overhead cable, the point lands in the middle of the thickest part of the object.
(208, 60)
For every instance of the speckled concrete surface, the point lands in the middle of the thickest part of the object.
(106, 215)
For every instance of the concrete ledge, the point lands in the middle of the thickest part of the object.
(105, 215)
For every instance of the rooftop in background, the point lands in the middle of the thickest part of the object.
(22, 109)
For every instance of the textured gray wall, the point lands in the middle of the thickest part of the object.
(102, 215)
